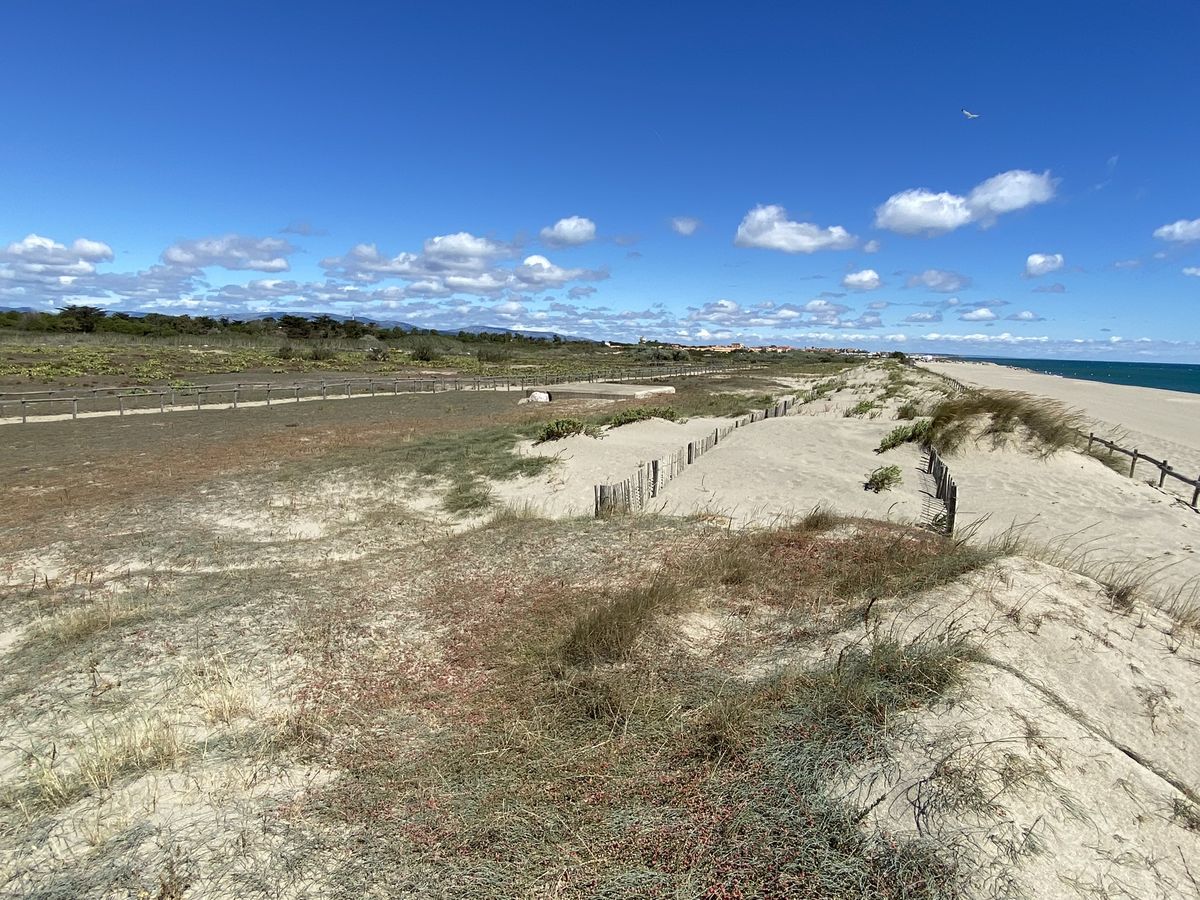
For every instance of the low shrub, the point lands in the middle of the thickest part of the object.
(640, 414)
(424, 351)
(883, 479)
(377, 354)
(909, 410)
(564, 428)
(904, 434)
(287, 351)
(860, 409)
(322, 352)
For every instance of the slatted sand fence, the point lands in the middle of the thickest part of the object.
(650, 478)
(946, 489)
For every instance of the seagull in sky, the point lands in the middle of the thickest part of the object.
(969, 114)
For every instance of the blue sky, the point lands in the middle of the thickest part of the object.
(771, 173)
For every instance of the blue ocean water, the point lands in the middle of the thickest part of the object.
(1165, 376)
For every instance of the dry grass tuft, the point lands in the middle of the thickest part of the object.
(1044, 425)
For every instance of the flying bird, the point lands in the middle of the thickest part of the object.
(969, 114)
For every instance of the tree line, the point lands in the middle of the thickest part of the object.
(93, 319)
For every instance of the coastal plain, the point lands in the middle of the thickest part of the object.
(383, 646)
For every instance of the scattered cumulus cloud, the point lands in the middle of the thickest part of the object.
(231, 251)
(569, 232)
(924, 317)
(1025, 315)
(1127, 264)
(1193, 271)
(1184, 231)
(920, 211)
(872, 246)
(685, 225)
(981, 314)
(1037, 264)
(940, 280)
(768, 227)
(866, 280)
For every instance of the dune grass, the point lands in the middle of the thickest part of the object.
(917, 432)
(586, 748)
(1045, 426)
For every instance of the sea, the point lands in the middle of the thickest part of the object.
(1165, 376)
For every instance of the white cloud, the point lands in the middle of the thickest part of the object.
(464, 249)
(1025, 315)
(1055, 288)
(940, 280)
(1003, 338)
(38, 267)
(924, 317)
(872, 247)
(685, 225)
(539, 273)
(569, 232)
(231, 251)
(768, 227)
(1042, 264)
(925, 212)
(1008, 192)
(1192, 270)
(921, 211)
(1182, 231)
(982, 314)
(866, 280)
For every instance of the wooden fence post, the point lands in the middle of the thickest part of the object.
(121, 404)
(74, 407)
(1133, 462)
(1091, 437)
(25, 418)
(1162, 474)
(1196, 492)
(236, 390)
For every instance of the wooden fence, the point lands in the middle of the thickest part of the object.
(946, 490)
(119, 400)
(1164, 468)
(645, 484)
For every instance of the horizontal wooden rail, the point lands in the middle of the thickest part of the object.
(1164, 467)
(119, 400)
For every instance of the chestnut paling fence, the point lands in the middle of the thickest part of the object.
(645, 484)
(946, 490)
(33, 405)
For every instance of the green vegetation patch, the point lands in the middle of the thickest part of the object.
(641, 414)
(883, 479)
(565, 428)
(918, 433)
